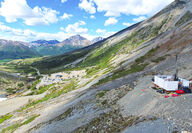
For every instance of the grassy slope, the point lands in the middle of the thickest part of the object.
(54, 50)
(15, 126)
(19, 65)
(101, 54)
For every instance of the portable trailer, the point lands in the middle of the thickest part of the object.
(167, 83)
(171, 83)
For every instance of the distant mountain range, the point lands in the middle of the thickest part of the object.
(17, 49)
(45, 42)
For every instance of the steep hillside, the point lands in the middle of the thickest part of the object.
(107, 87)
(121, 44)
(15, 50)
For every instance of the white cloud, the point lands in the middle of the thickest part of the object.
(88, 6)
(88, 36)
(29, 35)
(48, 16)
(16, 32)
(135, 20)
(62, 29)
(104, 33)
(110, 21)
(127, 24)
(92, 17)
(63, 1)
(13, 10)
(76, 28)
(101, 31)
(135, 7)
(141, 18)
(66, 16)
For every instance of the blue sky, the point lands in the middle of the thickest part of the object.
(28, 20)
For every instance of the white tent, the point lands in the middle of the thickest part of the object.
(167, 83)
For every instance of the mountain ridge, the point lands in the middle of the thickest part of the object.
(46, 48)
(15, 50)
(107, 86)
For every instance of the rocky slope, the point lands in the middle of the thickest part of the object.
(116, 94)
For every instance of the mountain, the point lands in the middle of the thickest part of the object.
(170, 19)
(97, 39)
(50, 50)
(76, 40)
(107, 86)
(122, 67)
(15, 50)
(45, 42)
(54, 47)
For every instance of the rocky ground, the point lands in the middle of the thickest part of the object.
(127, 104)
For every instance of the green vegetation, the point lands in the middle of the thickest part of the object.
(20, 85)
(186, 17)
(41, 90)
(10, 90)
(110, 122)
(158, 28)
(4, 81)
(19, 65)
(55, 64)
(5, 60)
(11, 84)
(14, 127)
(101, 93)
(122, 72)
(33, 86)
(55, 50)
(11, 128)
(137, 66)
(159, 59)
(100, 59)
(15, 50)
(101, 54)
(5, 117)
(30, 119)
(65, 114)
(53, 94)
(148, 55)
